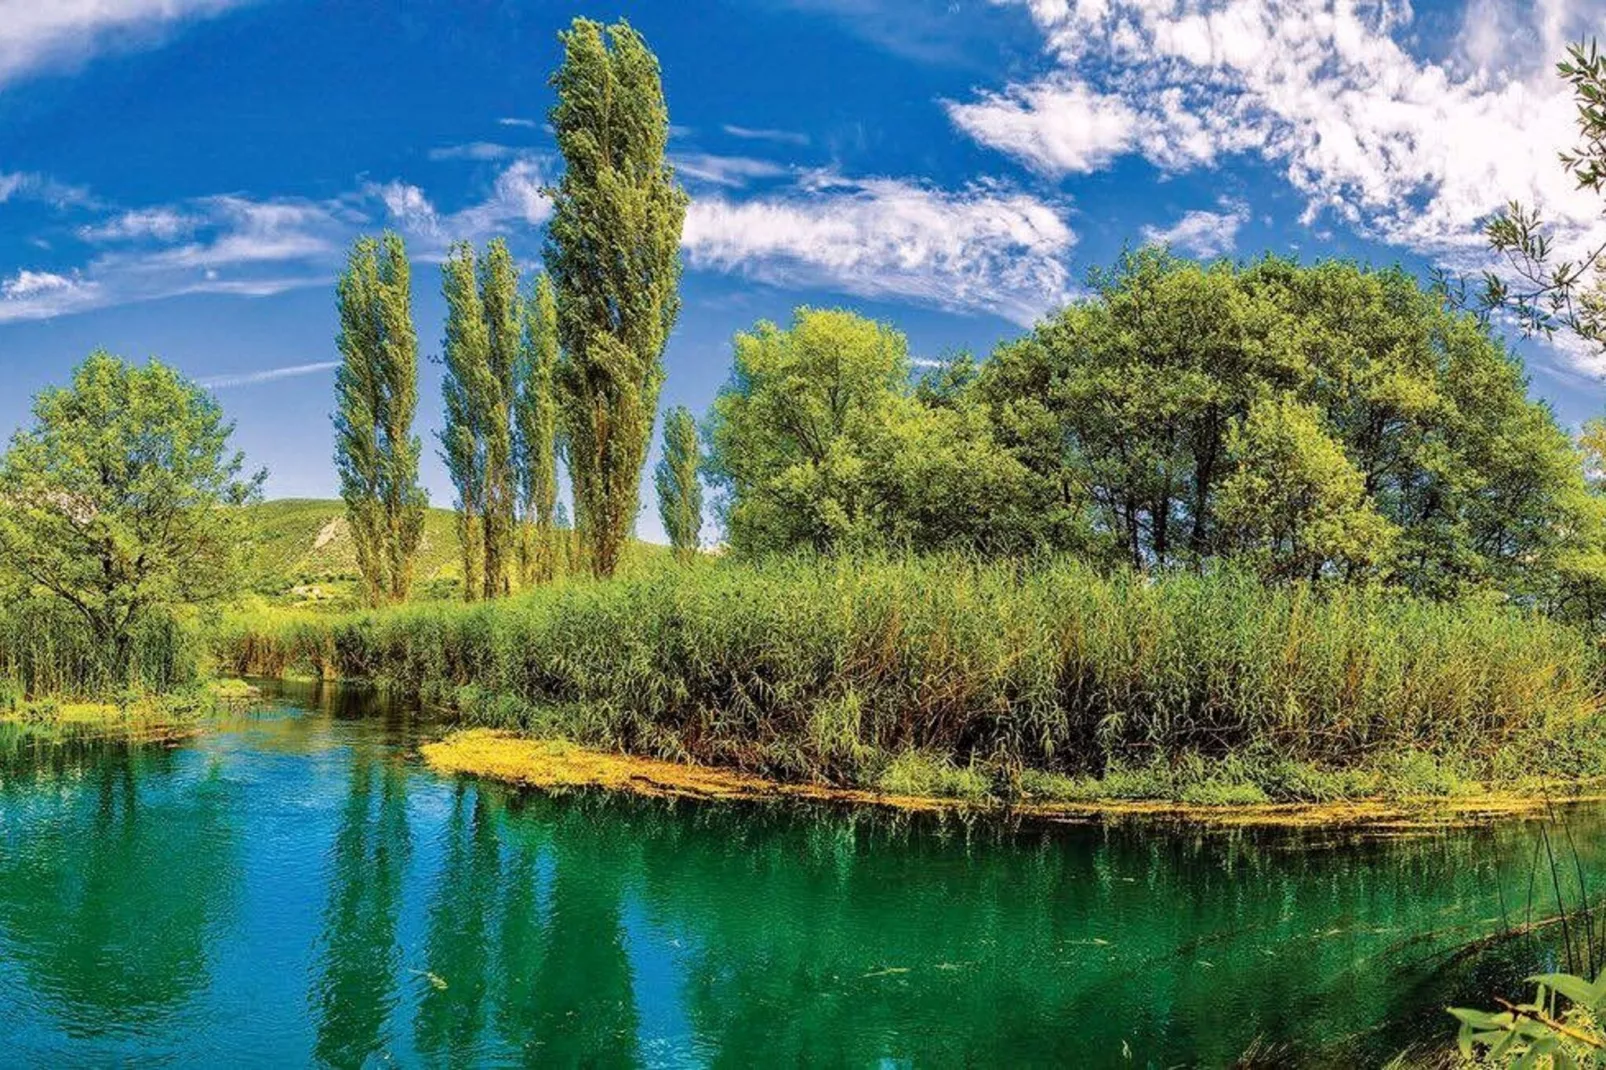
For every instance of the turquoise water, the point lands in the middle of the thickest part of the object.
(296, 889)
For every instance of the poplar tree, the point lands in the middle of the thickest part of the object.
(376, 397)
(680, 495)
(613, 248)
(467, 358)
(535, 427)
(499, 300)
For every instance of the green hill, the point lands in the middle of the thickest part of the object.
(303, 552)
(303, 547)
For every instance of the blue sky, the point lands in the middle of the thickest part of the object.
(180, 178)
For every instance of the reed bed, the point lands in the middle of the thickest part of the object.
(46, 649)
(833, 668)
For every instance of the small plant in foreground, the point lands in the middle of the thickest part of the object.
(1540, 1033)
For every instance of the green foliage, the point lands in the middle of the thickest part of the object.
(468, 387)
(819, 442)
(1294, 506)
(376, 396)
(499, 298)
(680, 494)
(47, 649)
(830, 667)
(1132, 413)
(1543, 292)
(536, 430)
(613, 249)
(1559, 1028)
(121, 503)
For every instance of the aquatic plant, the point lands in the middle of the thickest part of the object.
(831, 668)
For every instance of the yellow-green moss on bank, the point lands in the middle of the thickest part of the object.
(556, 766)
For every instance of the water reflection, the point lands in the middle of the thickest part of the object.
(111, 884)
(295, 890)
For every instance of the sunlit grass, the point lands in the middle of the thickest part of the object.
(834, 669)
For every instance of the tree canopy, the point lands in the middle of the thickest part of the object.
(1311, 422)
(613, 251)
(118, 500)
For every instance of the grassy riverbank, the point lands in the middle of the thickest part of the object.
(947, 677)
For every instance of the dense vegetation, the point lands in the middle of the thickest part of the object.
(836, 668)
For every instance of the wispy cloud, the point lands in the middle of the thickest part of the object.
(980, 249)
(1202, 233)
(1335, 95)
(164, 223)
(730, 171)
(784, 137)
(222, 244)
(24, 185)
(474, 150)
(268, 375)
(39, 34)
(513, 120)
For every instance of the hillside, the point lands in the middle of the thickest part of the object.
(303, 546)
(304, 552)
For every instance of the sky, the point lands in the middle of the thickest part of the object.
(181, 178)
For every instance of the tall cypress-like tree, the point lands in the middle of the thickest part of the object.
(468, 372)
(680, 495)
(376, 398)
(536, 428)
(499, 298)
(613, 248)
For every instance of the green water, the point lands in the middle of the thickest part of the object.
(296, 889)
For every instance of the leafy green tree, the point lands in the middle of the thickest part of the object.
(1294, 506)
(789, 434)
(468, 381)
(680, 494)
(1122, 409)
(536, 428)
(820, 441)
(499, 297)
(119, 501)
(613, 249)
(376, 397)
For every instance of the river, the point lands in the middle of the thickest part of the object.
(294, 888)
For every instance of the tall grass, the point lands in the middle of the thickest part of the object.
(827, 667)
(46, 649)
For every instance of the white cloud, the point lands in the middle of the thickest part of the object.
(517, 197)
(732, 171)
(516, 121)
(230, 245)
(1408, 150)
(27, 283)
(42, 294)
(37, 34)
(748, 133)
(1202, 233)
(161, 223)
(268, 375)
(474, 150)
(982, 249)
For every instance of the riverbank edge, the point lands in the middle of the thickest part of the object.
(135, 718)
(556, 766)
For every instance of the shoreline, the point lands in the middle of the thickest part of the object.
(556, 766)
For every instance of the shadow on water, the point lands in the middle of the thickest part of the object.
(296, 888)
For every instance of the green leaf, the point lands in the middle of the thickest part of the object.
(1574, 988)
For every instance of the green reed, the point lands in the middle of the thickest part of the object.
(47, 649)
(828, 667)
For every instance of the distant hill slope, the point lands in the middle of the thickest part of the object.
(307, 539)
(304, 552)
